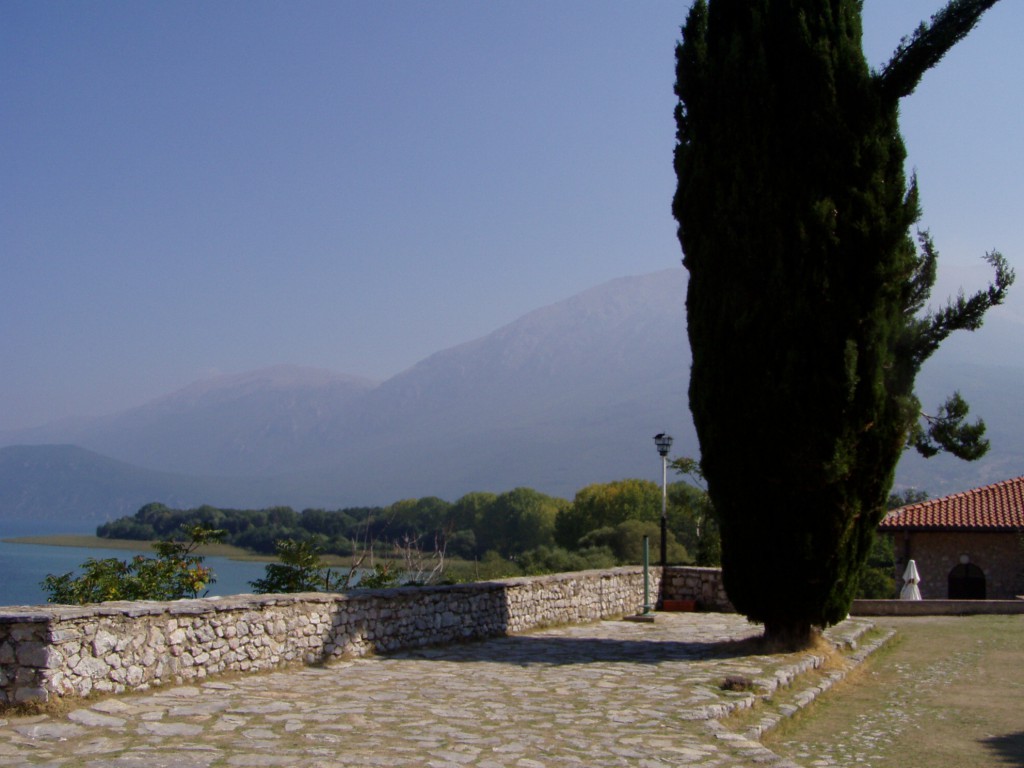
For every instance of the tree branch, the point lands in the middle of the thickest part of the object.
(922, 50)
(946, 431)
(963, 313)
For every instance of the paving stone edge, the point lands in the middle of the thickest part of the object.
(748, 742)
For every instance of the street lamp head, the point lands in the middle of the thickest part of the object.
(663, 442)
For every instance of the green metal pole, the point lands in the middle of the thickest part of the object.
(647, 582)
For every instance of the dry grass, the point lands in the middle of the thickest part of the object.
(54, 707)
(947, 692)
(94, 542)
(766, 704)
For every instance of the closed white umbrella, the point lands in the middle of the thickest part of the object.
(911, 579)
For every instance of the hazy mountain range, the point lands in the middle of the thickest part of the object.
(564, 396)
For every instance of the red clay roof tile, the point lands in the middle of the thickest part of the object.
(997, 507)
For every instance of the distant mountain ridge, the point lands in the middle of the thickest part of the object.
(238, 424)
(65, 483)
(564, 396)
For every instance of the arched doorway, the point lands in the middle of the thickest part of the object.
(966, 582)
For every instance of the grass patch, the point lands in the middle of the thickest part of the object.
(86, 541)
(945, 692)
(769, 707)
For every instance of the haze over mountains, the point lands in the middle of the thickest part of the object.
(565, 396)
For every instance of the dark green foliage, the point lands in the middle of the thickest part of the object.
(467, 513)
(547, 559)
(176, 572)
(946, 431)
(877, 577)
(600, 510)
(919, 52)
(708, 551)
(127, 528)
(905, 498)
(258, 530)
(300, 569)
(383, 575)
(626, 542)
(493, 566)
(876, 583)
(328, 524)
(510, 523)
(806, 290)
(519, 520)
(697, 520)
(463, 544)
(603, 505)
(413, 518)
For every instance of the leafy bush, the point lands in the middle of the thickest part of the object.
(558, 560)
(604, 505)
(175, 573)
(877, 577)
(384, 575)
(876, 584)
(301, 570)
(626, 542)
(692, 515)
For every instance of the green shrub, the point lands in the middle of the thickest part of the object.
(175, 573)
(384, 575)
(558, 560)
(301, 570)
(626, 542)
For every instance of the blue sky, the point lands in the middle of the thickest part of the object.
(191, 188)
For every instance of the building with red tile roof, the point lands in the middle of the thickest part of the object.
(967, 545)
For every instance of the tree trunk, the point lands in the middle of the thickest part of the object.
(791, 635)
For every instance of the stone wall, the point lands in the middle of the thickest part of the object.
(935, 607)
(999, 555)
(72, 651)
(701, 584)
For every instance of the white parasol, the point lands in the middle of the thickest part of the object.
(911, 579)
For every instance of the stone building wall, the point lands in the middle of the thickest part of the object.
(1000, 556)
(72, 651)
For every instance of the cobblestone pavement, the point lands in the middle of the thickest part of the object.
(613, 693)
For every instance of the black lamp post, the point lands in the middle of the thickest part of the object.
(663, 442)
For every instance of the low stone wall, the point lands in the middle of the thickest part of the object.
(72, 651)
(934, 607)
(701, 584)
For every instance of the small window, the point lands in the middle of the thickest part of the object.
(966, 582)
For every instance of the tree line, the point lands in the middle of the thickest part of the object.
(521, 531)
(604, 525)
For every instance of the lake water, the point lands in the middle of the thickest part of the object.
(24, 566)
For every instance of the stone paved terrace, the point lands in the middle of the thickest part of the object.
(610, 693)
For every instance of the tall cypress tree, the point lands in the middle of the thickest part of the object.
(806, 291)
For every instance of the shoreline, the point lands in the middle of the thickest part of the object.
(87, 541)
